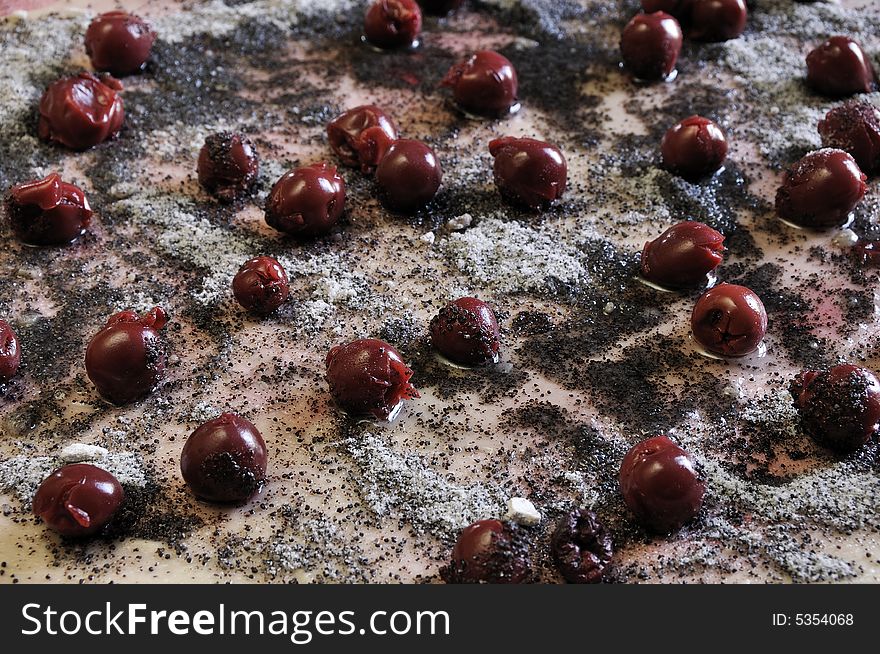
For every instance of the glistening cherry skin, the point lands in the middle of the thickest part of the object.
(393, 24)
(228, 165)
(660, 485)
(306, 202)
(126, 359)
(408, 176)
(729, 320)
(839, 67)
(650, 45)
(466, 332)
(489, 551)
(48, 212)
(854, 127)
(81, 111)
(119, 43)
(361, 136)
(716, 20)
(529, 173)
(225, 460)
(694, 148)
(485, 84)
(821, 189)
(840, 407)
(683, 255)
(368, 377)
(10, 352)
(261, 285)
(78, 499)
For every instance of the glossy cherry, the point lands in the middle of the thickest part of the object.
(225, 460)
(581, 547)
(78, 499)
(528, 172)
(683, 255)
(369, 377)
(660, 485)
(82, 111)
(716, 20)
(393, 23)
(408, 176)
(48, 212)
(729, 320)
(492, 552)
(228, 165)
(839, 67)
(840, 407)
(261, 285)
(821, 189)
(306, 202)
(485, 84)
(119, 43)
(854, 127)
(126, 359)
(694, 148)
(440, 7)
(10, 352)
(361, 136)
(650, 45)
(466, 332)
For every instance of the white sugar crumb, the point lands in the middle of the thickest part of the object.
(507, 257)
(79, 452)
(522, 511)
(428, 237)
(402, 485)
(459, 222)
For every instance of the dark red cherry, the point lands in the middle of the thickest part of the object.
(729, 320)
(683, 255)
(492, 552)
(660, 485)
(361, 136)
(694, 148)
(261, 285)
(839, 67)
(48, 212)
(126, 359)
(528, 172)
(716, 20)
(440, 7)
(228, 165)
(821, 189)
(581, 547)
(306, 202)
(119, 43)
(78, 499)
(840, 407)
(650, 45)
(82, 111)
(408, 176)
(393, 23)
(225, 460)
(369, 377)
(854, 127)
(10, 352)
(485, 83)
(466, 332)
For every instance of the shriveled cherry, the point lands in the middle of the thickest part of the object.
(660, 485)
(840, 407)
(491, 552)
(839, 67)
(369, 377)
(261, 285)
(694, 148)
(10, 352)
(440, 7)
(225, 460)
(485, 83)
(408, 176)
(729, 320)
(48, 211)
(82, 111)
(126, 359)
(854, 127)
(306, 202)
(528, 172)
(466, 332)
(821, 189)
(393, 23)
(683, 255)
(361, 136)
(650, 45)
(228, 165)
(581, 547)
(716, 20)
(78, 499)
(119, 42)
